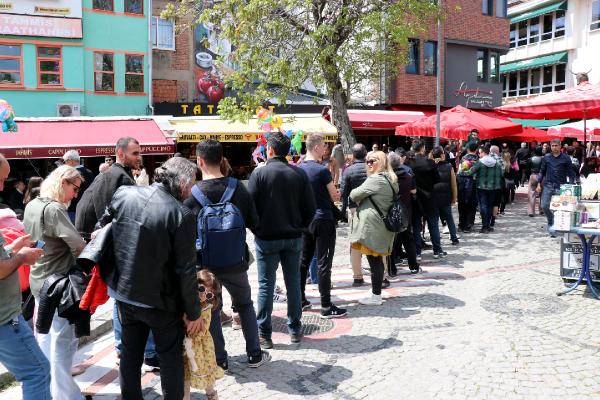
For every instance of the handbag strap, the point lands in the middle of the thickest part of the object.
(393, 198)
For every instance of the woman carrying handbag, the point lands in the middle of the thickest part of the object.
(368, 233)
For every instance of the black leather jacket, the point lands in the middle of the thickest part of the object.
(154, 238)
(535, 163)
(354, 176)
(63, 292)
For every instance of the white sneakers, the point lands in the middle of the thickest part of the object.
(373, 300)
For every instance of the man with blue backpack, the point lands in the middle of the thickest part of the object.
(224, 210)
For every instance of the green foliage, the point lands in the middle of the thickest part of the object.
(336, 44)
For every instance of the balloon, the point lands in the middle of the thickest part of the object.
(7, 115)
(297, 142)
(277, 121)
(266, 127)
(289, 133)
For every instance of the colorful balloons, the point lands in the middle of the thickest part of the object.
(297, 142)
(7, 115)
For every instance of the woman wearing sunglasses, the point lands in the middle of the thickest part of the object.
(368, 232)
(47, 220)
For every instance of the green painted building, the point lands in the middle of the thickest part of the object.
(86, 58)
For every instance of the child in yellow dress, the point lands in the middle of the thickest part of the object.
(201, 370)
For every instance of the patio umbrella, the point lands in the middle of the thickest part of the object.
(531, 134)
(575, 130)
(457, 123)
(579, 102)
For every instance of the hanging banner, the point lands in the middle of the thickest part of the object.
(63, 8)
(26, 25)
(232, 137)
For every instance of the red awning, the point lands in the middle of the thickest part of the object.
(531, 134)
(457, 123)
(51, 139)
(381, 119)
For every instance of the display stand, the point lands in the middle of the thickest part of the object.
(585, 265)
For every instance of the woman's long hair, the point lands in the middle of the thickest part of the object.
(507, 162)
(52, 186)
(382, 165)
(34, 182)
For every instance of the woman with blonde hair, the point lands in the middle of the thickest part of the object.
(368, 232)
(47, 220)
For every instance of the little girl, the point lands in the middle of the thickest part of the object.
(201, 370)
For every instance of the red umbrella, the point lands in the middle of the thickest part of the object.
(457, 123)
(579, 102)
(575, 130)
(531, 134)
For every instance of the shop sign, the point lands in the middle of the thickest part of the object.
(231, 137)
(63, 8)
(84, 151)
(25, 25)
(475, 98)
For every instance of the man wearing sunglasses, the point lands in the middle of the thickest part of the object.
(73, 159)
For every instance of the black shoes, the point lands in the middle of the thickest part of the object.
(306, 305)
(358, 282)
(385, 284)
(332, 312)
(151, 364)
(224, 365)
(455, 242)
(257, 361)
(418, 270)
(296, 337)
(265, 343)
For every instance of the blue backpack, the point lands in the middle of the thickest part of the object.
(221, 242)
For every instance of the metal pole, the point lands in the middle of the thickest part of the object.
(584, 131)
(438, 78)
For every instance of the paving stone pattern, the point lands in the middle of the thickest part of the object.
(483, 323)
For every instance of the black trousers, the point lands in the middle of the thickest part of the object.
(168, 330)
(404, 240)
(466, 215)
(376, 265)
(319, 240)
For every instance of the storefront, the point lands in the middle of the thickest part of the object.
(239, 139)
(40, 142)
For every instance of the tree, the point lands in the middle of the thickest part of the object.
(283, 43)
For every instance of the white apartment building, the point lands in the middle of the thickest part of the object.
(550, 41)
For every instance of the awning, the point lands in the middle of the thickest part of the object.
(540, 11)
(196, 129)
(542, 61)
(381, 119)
(538, 123)
(51, 139)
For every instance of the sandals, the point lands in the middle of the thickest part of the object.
(212, 395)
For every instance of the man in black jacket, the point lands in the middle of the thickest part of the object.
(154, 279)
(73, 159)
(285, 204)
(523, 155)
(426, 176)
(209, 156)
(354, 176)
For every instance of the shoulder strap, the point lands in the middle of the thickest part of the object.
(391, 187)
(231, 186)
(200, 197)
(376, 208)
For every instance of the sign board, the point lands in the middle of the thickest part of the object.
(231, 137)
(84, 151)
(26, 25)
(572, 257)
(53, 8)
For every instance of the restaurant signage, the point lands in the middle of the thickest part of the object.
(62, 8)
(475, 98)
(231, 137)
(84, 151)
(27, 25)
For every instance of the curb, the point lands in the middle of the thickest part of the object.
(99, 325)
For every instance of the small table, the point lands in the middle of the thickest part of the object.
(585, 267)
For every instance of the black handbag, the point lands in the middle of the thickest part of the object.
(396, 219)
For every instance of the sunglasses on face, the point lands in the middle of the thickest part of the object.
(75, 187)
(371, 162)
(207, 294)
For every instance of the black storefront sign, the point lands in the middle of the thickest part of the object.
(208, 109)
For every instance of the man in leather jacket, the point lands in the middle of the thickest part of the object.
(354, 176)
(154, 277)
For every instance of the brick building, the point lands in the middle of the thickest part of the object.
(475, 33)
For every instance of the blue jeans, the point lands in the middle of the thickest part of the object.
(149, 351)
(433, 220)
(486, 206)
(313, 271)
(21, 355)
(268, 255)
(547, 193)
(446, 213)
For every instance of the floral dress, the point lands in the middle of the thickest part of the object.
(202, 344)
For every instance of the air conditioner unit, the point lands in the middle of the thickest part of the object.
(68, 110)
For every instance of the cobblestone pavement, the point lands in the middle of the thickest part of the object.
(483, 323)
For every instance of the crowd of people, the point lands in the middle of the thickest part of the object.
(166, 250)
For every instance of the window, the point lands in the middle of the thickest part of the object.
(522, 40)
(595, 15)
(482, 65)
(412, 66)
(523, 82)
(104, 72)
(49, 63)
(501, 8)
(106, 5)
(134, 6)
(534, 30)
(513, 35)
(494, 66)
(547, 79)
(559, 23)
(430, 58)
(559, 75)
(134, 73)
(163, 34)
(547, 25)
(487, 7)
(535, 81)
(512, 84)
(10, 64)
(534, 87)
